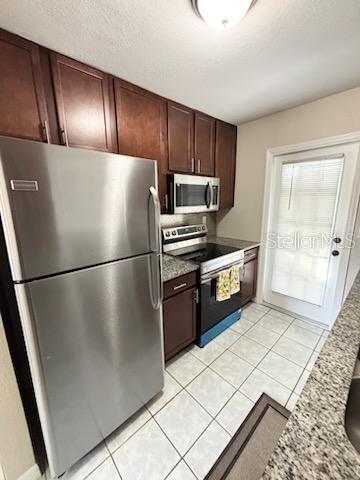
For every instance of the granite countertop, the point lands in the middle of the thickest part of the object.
(314, 444)
(173, 267)
(234, 242)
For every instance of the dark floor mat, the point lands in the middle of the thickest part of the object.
(249, 451)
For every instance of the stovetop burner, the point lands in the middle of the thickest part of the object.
(206, 252)
(190, 243)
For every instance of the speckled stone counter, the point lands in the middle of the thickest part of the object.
(314, 444)
(173, 267)
(234, 242)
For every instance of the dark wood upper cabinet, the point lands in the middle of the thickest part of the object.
(225, 160)
(180, 138)
(191, 141)
(22, 100)
(83, 100)
(141, 127)
(48, 97)
(204, 144)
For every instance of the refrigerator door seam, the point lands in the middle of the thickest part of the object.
(74, 270)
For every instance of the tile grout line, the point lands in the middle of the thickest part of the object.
(294, 319)
(237, 389)
(174, 467)
(213, 418)
(271, 349)
(92, 471)
(197, 438)
(292, 391)
(303, 368)
(130, 436)
(117, 469)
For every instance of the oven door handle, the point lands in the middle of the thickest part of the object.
(208, 195)
(208, 277)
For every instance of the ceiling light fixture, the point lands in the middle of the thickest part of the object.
(222, 14)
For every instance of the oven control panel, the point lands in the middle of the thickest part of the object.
(183, 232)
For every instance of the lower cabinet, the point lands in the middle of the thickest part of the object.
(249, 276)
(179, 315)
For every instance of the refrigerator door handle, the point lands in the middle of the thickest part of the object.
(155, 281)
(155, 259)
(157, 210)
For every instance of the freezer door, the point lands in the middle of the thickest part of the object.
(94, 341)
(67, 208)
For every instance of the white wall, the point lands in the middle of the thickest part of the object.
(334, 115)
(16, 454)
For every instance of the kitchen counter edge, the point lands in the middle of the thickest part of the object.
(314, 443)
(173, 267)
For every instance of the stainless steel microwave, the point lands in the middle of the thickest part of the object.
(193, 193)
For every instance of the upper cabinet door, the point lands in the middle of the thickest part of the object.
(141, 127)
(225, 159)
(180, 138)
(22, 100)
(84, 107)
(204, 144)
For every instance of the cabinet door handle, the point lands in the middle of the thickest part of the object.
(182, 285)
(45, 129)
(196, 296)
(193, 165)
(242, 274)
(64, 138)
(166, 202)
(199, 165)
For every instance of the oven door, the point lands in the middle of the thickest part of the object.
(212, 311)
(194, 194)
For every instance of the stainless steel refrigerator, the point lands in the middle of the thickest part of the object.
(83, 239)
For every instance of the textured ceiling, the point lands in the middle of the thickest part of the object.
(283, 53)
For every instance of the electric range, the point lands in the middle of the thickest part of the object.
(191, 243)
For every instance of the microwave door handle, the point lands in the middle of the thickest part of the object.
(208, 195)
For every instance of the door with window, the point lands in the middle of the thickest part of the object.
(309, 237)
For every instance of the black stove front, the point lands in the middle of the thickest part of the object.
(213, 316)
(189, 243)
(212, 312)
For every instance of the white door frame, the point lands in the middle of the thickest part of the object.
(269, 194)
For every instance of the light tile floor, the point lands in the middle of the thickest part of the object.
(207, 395)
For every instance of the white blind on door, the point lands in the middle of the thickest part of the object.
(304, 228)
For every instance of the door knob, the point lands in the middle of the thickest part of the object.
(335, 253)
